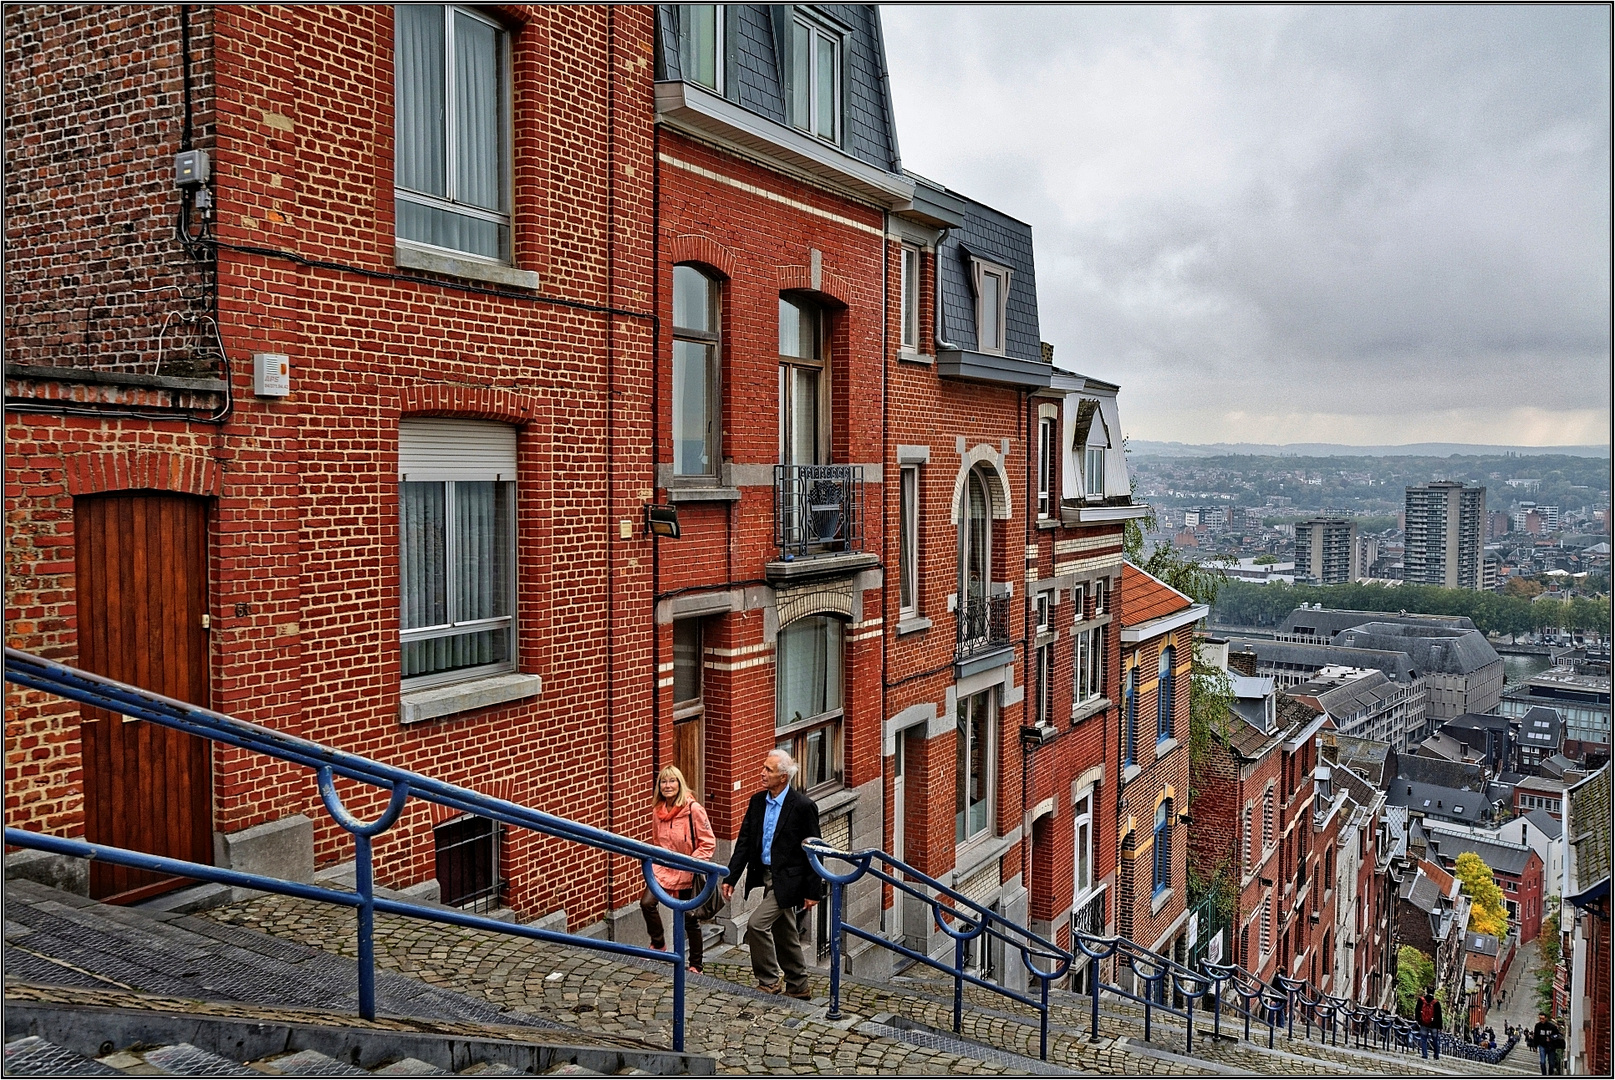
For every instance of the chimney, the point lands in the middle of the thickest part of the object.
(1243, 663)
(1330, 751)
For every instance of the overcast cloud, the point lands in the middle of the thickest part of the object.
(1345, 224)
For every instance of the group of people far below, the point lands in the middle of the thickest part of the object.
(768, 852)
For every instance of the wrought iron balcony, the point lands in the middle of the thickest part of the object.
(983, 625)
(818, 509)
(1090, 917)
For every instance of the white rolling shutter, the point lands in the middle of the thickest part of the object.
(438, 448)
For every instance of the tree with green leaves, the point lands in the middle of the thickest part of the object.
(1547, 956)
(1415, 973)
(1487, 912)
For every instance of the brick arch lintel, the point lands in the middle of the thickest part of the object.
(471, 402)
(92, 472)
(694, 248)
(830, 284)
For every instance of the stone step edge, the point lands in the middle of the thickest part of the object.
(903, 1029)
(86, 1029)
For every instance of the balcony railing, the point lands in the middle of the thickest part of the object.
(818, 509)
(983, 625)
(1090, 917)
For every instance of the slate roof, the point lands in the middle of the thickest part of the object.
(996, 237)
(1546, 823)
(1429, 649)
(1453, 804)
(1369, 757)
(1480, 944)
(1540, 727)
(752, 73)
(1146, 597)
(1442, 746)
(1451, 774)
(1327, 622)
(1503, 858)
(1394, 664)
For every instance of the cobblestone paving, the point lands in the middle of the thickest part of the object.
(745, 1032)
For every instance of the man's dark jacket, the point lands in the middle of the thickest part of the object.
(794, 879)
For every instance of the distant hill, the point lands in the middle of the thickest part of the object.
(1433, 449)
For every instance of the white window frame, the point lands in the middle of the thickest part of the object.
(979, 270)
(793, 734)
(445, 470)
(815, 32)
(1045, 467)
(1082, 833)
(1094, 459)
(1090, 665)
(908, 548)
(963, 835)
(712, 341)
(686, 47)
(909, 299)
(1045, 683)
(506, 134)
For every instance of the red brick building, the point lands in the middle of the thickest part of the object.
(1516, 868)
(363, 456)
(1157, 633)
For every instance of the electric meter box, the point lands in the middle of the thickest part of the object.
(271, 374)
(191, 167)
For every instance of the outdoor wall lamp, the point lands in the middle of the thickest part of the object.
(662, 521)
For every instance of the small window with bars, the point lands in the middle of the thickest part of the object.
(468, 863)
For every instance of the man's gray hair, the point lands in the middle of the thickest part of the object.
(786, 762)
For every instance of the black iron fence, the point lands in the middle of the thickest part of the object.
(983, 624)
(818, 509)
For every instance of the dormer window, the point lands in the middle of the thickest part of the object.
(992, 300)
(815, 75)
(701, 44)
(1093, 463)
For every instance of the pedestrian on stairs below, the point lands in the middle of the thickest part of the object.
(678, 823)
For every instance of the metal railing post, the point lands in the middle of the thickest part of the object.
(1043, 1037)
(835, 951)
(958, 985)
(681, 953)
(365, 881)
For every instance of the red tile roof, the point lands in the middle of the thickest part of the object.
(1145, 598)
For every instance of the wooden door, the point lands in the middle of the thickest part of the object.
(688, 752)
(142, 593)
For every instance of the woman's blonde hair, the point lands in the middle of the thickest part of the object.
(672, 772)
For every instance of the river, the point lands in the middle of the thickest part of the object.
(1518, 670)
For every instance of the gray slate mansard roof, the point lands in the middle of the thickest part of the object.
(1545, 823)
(1450, 652)
(1394, 664)
(1502, 858)
(1540, 728)
(1327, 622)
(1458, 775)
(1454, 804)
(753, 77)
(996, 237)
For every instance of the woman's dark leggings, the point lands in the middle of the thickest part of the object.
(658, 936)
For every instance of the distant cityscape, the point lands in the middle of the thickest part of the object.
(1465, 521)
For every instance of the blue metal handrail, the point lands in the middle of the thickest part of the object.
(86, 688)
(959, 917)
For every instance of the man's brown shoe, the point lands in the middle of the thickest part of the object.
(769, 988)
(800, 995)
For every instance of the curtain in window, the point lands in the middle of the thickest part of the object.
(809, 670)
(691, 409)
(990, 284)
(977, 523)
(422, 158)
(908, 505)
(1163, 696)
(450, 574)
(423, 584)
(479, 114)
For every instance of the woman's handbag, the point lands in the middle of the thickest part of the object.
(715, 903)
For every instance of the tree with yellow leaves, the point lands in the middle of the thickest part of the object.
(1487, 914)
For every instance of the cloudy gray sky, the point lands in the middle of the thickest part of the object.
(1345, 224)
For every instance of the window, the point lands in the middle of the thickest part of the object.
(1090, 664)
(1079, 601)
(467, 856)
(452, 86)
(1163, 846)
(1045, 467)
(803, 382)
(1101, 597)
(1041, 606)
(1267, 820)
(695, 372)
(701, 44)
(457, 549)
(973, 806)
(1084, 854)
(908, 540)
(815, 77)
(1093, 464)
(807, 715)
(1328, 869)
(1264, 930)
(1245, 837)
(975, 540)
(910, 303)
(686, 665)
(1164, 696)
(992, 299)
(1130, 719)
(1045, 684)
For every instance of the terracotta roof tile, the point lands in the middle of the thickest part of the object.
(1145, 598)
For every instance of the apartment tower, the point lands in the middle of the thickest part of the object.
(1444, 535)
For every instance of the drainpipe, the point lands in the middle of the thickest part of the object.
(611, 398)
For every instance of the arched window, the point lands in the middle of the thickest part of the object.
(1164, 696)
(975, 538)
(804, 379)
(1163, 846)
(695, 372)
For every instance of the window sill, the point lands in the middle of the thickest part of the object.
(1159, 901)
(908, 356)
(1048, 523)
(836, 801)
(415, 706)
(410, 257)
(1130, 773)
(1165, 746)
(702, 494)
(980, 852)
(1089, 709)
(912, 625)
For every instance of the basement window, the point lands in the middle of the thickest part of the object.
(468, 862)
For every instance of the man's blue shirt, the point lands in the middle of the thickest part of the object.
(772, 804)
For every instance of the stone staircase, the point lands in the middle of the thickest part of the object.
(286, 966)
